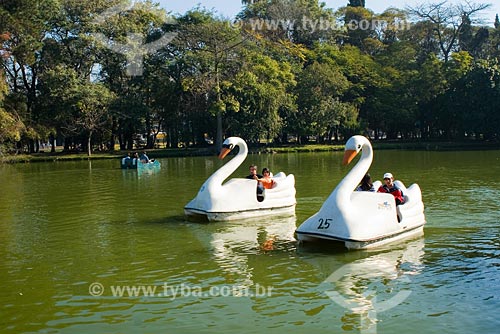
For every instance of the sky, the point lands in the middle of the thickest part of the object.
(229, 8)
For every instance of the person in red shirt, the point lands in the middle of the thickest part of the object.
(391, 188)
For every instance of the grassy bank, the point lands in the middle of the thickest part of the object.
(185, 152)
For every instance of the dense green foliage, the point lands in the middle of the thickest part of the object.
(90, 74)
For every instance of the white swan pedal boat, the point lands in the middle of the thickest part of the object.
(237, 198)
(363, 219)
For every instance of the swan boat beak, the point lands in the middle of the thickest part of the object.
(348, 156)
(225, 151)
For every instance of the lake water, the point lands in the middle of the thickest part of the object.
(74, 236)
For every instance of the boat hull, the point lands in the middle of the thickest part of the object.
(238, 215)
(237, 199)
(363, 243)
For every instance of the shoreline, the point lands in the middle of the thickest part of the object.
(206, 151)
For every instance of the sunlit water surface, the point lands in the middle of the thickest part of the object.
(73, 233)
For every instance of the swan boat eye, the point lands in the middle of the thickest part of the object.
(228, 146)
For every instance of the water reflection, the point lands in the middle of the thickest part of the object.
(232, 243)
(132, 174)
(377, 282)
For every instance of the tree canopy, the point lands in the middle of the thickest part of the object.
(91, 75)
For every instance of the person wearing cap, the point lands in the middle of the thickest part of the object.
(391, 188)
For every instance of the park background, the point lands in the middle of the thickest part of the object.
(111, 75)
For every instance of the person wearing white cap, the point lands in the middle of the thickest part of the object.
(391, 188)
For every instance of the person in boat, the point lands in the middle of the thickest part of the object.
(390, 188)
(135, 160)
(366, 183)
(253, 173)
(266, 180)
(254, 176)
(126, 161)
(145, 159)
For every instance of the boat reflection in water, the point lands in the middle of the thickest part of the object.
(143, 169)
(376, 283)
(232, 243)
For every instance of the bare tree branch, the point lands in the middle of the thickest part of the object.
(447, 20)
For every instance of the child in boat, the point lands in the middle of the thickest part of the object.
(266, 179)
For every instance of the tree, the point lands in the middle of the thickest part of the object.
(299, 21)
(429, 83)
(77, 106)
(209, 46)
(11, 126)
(320, 88)
(260, 90)
(355, 19)
(92, 101)
(471, 103)
(28, 23)
(447, 21)
(356, 3)
(129, 67)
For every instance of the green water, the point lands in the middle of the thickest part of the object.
(70, 229)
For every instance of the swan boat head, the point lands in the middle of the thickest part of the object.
(237, 198)
(361, 218)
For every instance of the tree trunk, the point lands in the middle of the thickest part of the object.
(218, 139)
(53, 142)
(89, 145)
